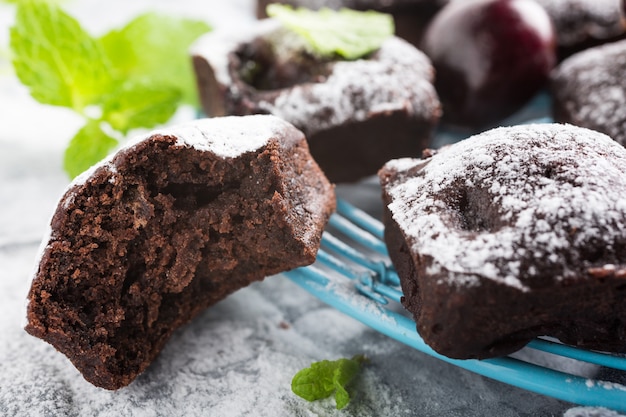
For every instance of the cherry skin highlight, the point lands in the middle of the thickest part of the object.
(490, 56)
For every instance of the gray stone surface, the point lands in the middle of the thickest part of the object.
(237, 358)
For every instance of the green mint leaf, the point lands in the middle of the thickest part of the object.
(56, 58)
(87, 147)
(316, 382)
(26, 1)
(348, 33)
(156, 46)
(140, 103)
(323, 378)
(344, 373)
(136, 76)
(342, 398)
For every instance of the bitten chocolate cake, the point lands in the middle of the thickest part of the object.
(356, 115)
(410, 16)
(511, 234)
(169, 225)
(589, 90)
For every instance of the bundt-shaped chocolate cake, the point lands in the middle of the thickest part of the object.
(511, 234)
(356, 115)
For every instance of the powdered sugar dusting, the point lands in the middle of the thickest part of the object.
(576, 20)
(397, 77)
(608, 385)
(227, 136)
(590, 88)
(347, 291)
(518, 194)
(591, 412)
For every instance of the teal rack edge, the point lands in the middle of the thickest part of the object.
(367, 303)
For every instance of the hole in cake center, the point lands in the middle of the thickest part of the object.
(273, 65)
(472, 214)
(192, 196)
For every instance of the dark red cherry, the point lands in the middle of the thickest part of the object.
(490, 57)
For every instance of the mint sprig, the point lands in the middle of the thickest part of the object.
(324, 378)
(156, 46)
(90, 143)
(134, 77)
(347, 33)
(54, 57)
(142, 102)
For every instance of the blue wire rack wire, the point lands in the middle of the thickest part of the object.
(354, 275)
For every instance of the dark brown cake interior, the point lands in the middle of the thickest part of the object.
(263, 68)
(142, 256)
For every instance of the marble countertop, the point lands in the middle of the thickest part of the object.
(238, 357)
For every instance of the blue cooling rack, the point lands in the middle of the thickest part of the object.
(354, 275)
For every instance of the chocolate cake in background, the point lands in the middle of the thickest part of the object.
(410, 16)
(168, 226)
(589, 89)
(581, 24)
(511, 234)
(356, 115)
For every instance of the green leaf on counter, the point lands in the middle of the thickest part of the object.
(348, 33)
(87, 147)
(56, 58)
(156, 46)
(324, 378)
(140, 104)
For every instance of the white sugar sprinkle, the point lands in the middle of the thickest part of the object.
(226, 136)
(561, 187)
(575, 20)
(590, 88)
(395, 77)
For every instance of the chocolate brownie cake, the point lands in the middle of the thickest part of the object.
(410, 16)
(589, 90)
(356, 115)
(511, 234)
(581, 24)
(166, 227)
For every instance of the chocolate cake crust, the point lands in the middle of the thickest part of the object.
(589, 90)
(582, 24)
(514, 233)
(356, 115)
(168, 226)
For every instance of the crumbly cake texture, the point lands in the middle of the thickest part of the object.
(168, 226)
(580, 24)
(356, 115)
(511, 234)
(589, 90)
